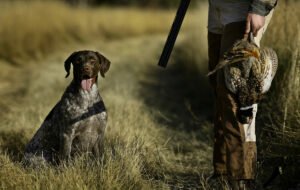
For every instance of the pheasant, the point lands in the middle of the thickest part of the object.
(248, 72)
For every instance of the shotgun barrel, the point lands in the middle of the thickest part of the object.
(164, 58)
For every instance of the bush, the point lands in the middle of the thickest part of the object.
(152, 3)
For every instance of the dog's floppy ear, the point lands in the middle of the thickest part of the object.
(68, 63)
(104, 64)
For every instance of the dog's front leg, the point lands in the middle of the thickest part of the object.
(65, 146)
(98, 148)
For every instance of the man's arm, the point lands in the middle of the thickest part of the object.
(257, 12)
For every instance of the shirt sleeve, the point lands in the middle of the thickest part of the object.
(262, 7)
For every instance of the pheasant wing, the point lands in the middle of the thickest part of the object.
(268, 64)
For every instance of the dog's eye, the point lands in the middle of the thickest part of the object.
(93, 61)
(79, 60)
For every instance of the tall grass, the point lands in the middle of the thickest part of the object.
(150, 143)
(280, 111)
(159, 133)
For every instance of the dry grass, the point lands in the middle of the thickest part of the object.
(147, 143)
(281, 118)
(159, 134)
(150, 142)
(30, 30)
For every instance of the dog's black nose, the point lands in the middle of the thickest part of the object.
(86, 68)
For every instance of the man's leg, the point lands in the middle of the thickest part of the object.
(241, 153)
(219, 154)
(241, 156)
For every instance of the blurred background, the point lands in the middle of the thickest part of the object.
(141, 3)
(159, 133)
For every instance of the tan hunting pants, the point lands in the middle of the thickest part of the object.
(234, 150)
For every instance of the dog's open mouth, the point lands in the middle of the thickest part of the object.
(87, 83)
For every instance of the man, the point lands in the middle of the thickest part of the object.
(229, 20)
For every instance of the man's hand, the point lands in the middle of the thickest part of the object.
(254, 23)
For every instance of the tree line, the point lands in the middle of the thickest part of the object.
(143, 3)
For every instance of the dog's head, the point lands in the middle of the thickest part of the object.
(86, 66)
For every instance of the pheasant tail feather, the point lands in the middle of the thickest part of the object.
(221, 65)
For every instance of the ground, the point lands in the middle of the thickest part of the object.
(144, 102)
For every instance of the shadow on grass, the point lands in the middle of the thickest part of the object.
(182, 101)
(181, 95)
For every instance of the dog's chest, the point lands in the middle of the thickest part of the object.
(85, 113)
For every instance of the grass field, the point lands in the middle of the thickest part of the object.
(51, 24)
(159, 133)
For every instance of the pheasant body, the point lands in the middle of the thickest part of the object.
(248, 71)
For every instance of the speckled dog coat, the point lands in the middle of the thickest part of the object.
(77, 123)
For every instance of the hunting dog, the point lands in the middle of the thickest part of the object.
(77, 123)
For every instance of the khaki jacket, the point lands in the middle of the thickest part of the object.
(262, 7)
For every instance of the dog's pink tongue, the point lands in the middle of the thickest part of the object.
(86, 84)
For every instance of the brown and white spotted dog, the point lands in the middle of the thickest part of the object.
(77, 123)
